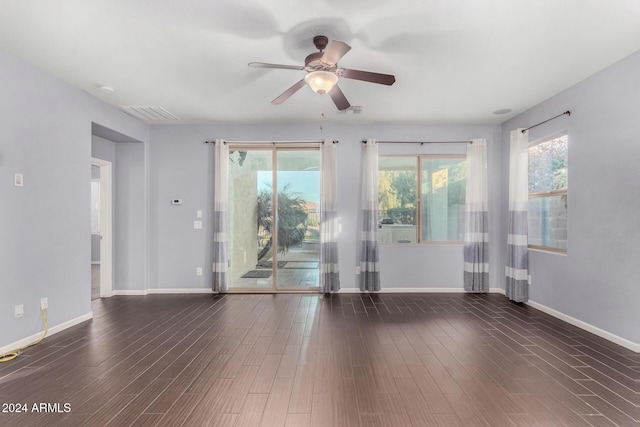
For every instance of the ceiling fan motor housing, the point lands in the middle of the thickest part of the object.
(320, 42)
(314, 61)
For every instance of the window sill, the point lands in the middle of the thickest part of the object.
(423, 244)
(547, 250)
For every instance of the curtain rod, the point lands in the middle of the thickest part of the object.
(364, 141)
(270, 142)
(554, 117)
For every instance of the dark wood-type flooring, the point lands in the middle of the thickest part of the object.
(309, 360)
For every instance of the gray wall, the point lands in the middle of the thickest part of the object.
(104, 149)
(181, 166)
(45, 249)
(596, 282)
(129, 232)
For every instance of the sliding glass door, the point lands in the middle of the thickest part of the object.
(250, 179)
(274, 218)
(298, 218)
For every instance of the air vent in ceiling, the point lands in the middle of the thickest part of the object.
(147, 113)
(353, 109)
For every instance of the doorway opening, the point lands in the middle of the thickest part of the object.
(101, 229)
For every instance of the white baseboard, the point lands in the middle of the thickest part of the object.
(404, 291)
(180, 291)
(587, 327)
(417, 291)
(164, 291)
(51, 331)
(128, 292)
(343, 290)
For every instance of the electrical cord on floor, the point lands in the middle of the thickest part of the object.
(6, 357)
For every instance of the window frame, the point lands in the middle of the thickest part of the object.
(418, 163)
(549, 193)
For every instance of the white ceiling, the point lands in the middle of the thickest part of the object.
(455, 61)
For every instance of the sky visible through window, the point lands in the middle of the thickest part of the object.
(304, 183)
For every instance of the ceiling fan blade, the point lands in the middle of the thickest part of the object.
(367, 76)
(338, 98)
(267, 65)
(335, 52)
(287, 93)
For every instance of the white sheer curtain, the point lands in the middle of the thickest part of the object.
(476, 241)
(369, 257)
(517, 268)
(220, 213)
(329, 221)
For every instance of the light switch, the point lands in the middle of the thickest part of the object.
(18, 180)
(198, 213)
(197, 225)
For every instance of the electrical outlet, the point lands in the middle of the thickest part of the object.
(199, 271)
(18, 311)
(44, 303)
(197, 225)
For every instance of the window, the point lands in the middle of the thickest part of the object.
(443, 196)
(548, 186)
(421, 198)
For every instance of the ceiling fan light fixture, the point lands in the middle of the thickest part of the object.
(321, 81)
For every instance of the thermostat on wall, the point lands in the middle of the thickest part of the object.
(176, 201)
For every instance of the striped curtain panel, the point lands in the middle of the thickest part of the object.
(369, 257)
(476, 241)
(329, 221)
(220, 213)
(517, 268)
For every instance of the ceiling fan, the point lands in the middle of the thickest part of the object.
(323, 72)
